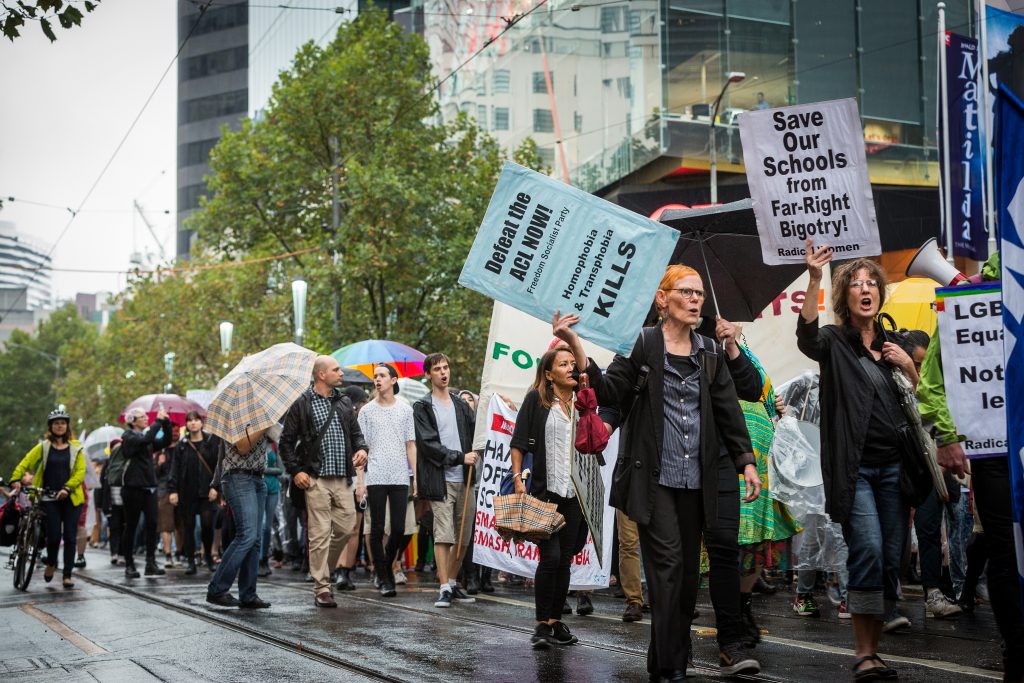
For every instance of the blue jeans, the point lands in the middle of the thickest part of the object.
(246, 494)
(875, 532)
(270, 511)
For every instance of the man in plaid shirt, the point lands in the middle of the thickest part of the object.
(322, 448)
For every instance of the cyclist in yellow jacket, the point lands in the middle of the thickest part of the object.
(59, 465)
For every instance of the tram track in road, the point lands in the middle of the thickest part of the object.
(308, 651)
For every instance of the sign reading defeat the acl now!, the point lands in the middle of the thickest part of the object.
(545, 246)
(808, 178)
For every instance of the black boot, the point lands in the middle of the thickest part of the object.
(344, 582)
(152, 568)
(130, 572)
(191, 569)
(209, 562)
(472, 581)
(485, 580)
(752, 629)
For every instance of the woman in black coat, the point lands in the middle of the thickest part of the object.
(683, 441)
(545, 427)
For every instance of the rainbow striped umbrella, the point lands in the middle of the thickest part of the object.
(365, 355)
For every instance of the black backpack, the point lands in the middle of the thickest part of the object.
(113, 473)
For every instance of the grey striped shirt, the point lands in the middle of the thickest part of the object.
(680, 446)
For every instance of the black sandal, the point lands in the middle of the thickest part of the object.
(870, 674)
(887, 671)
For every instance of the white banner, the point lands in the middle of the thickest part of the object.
(971, 334)
(772, 337)
(808, 178)
(490, 550)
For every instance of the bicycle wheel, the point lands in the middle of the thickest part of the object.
(26, 547)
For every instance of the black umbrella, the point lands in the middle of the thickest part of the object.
(721, 243)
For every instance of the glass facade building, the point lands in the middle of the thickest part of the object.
(618, 95)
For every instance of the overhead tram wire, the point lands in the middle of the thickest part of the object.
(124, 138)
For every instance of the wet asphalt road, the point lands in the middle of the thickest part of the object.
(112, 629)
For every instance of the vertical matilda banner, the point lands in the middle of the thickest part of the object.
(808, 178)
(966, 155)
(490, 550)
(971, 334)
(544, 246)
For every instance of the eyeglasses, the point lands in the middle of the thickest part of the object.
(859, 284)
(689, 293)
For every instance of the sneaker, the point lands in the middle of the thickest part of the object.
(562, 635)
(444, 600)
(168, 562)
(80, 562)
(804, 605)
(833, 595)
(264, 569)
(400, 578)
(376, 580)
(895, 622)
(543, 637)
(841, 611)
(938, 605)
(459, 596)
(387, 590)
(733, 659)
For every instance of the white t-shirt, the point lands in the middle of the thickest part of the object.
(386, 430)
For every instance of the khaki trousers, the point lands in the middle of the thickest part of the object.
(331, 513)
(629, 558)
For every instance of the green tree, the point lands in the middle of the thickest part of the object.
(13, 15)
(354, 127)
(34, 369)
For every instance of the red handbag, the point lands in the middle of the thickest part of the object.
(591, 434)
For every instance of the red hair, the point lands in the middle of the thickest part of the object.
(676, 271)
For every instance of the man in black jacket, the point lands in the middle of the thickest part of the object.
(139, 490)
(444, 446)
(322, 448)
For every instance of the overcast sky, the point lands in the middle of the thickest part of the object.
(64, 107)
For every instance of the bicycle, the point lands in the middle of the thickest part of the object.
(31, 537)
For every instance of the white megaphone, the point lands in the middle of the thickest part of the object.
(929, 262)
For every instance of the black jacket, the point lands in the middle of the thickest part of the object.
(138, 448)
(300, 432)
(189, 478)
(846, 395)
(431, 456)
(528, 435)
(724, 442)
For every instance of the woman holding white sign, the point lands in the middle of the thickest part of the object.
(546, 428)
(863, 441)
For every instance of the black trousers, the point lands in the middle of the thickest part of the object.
(991, 481)
(670, 548)
(61, 524)
(721, 542)
(382, 497)
(551, 582)
(137, 502)
(115, 529)
(207, 512)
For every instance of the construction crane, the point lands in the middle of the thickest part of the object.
(137, 257)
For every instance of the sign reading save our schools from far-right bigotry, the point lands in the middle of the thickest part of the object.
(971, 334)
(808, 178)
(545, 246)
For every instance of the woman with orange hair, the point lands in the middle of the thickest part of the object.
(683, 440)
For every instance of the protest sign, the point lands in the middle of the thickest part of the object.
(515, 343)
(971, 335)
(490, 550)
(545, 246)
(808, 178)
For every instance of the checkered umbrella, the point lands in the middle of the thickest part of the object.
(259, 390)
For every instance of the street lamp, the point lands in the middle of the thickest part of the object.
(169, 367)
(299, 309)
(226, 330)
(731, 77)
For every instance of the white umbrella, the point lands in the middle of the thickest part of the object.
(99, 439)
(259, 391)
